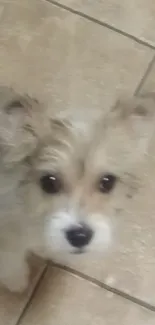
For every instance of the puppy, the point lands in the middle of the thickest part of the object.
(59, 185)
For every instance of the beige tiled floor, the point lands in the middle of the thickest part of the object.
(69, 60)
(72, 300)
(134, 17)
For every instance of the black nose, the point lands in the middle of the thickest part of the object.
(79, 236)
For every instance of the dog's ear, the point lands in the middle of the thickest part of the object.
(138, 113)
(18, 125)
(131, 125)
(142, 106)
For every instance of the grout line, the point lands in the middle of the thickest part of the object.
(102, 285)
(99, 22)
(150, 65)
(32, 295)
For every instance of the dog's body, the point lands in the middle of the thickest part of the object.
(61, 188)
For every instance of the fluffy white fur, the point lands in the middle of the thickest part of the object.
(33, 143)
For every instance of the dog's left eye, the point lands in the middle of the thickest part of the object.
(51, 184)
(107, 183)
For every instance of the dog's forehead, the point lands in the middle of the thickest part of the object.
(61, 153)
(66, 149)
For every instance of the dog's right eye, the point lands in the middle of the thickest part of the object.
(51, 184)
(107, 183)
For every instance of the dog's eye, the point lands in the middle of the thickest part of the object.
(107, 183)
(51, 184)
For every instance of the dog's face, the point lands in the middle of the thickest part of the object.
(73, 188)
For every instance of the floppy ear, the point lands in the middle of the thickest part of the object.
(140, 106)
(138, 113)
(18, 125)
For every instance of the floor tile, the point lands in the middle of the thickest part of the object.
(135, 17)
(11, 305)
(65, 299)
(65, 59)
(149, 82)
